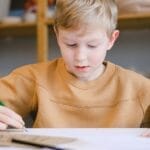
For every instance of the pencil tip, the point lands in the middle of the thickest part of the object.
(25, 129)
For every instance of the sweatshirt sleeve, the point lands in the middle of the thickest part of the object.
(144, 95)
(17, 90)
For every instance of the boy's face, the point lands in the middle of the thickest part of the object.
(84, 50)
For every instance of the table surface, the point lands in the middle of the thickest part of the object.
(95, 138)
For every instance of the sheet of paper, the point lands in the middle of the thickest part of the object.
(5, 139)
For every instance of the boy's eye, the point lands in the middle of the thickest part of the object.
(91, 46)
(71, 45)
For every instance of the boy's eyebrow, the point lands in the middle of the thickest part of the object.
(94, 40)
(66, 39)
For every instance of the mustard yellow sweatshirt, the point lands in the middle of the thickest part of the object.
(118, 98)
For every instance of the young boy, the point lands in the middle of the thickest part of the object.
(80, 89)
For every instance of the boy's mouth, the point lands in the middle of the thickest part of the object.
(82, 68)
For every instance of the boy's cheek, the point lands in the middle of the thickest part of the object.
(98, 58)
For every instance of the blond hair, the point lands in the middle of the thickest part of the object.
(75, 13)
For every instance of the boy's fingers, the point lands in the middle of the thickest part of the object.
(146, 133)
(10, 121)
(3, 126)
(10, 113)
(10, 116)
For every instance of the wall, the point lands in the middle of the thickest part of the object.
(132, 50)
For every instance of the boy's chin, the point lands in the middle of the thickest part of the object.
(83, 77)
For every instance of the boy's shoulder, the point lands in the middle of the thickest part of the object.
(38, 68)
(40, 65)
(128, 75)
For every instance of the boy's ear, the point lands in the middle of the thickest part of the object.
(56, 32)
(113, 38)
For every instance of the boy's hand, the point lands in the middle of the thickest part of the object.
(146, 133)
(10, 118)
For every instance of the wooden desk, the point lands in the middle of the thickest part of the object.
(96, 139)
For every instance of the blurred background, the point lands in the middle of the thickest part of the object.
(132, 49)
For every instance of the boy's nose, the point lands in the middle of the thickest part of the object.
(80, 55)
